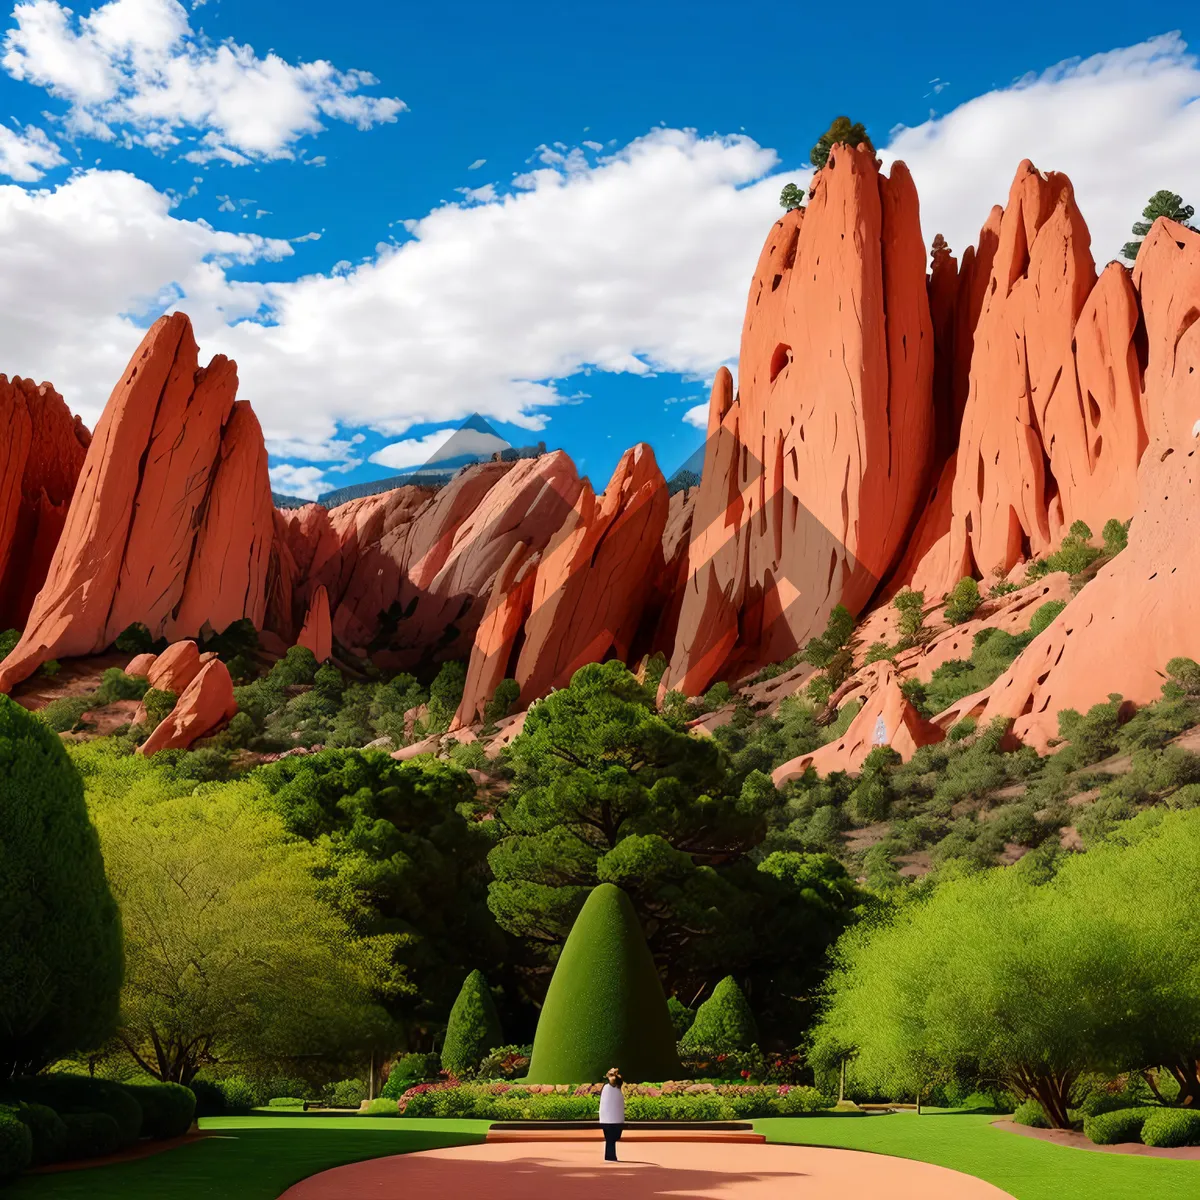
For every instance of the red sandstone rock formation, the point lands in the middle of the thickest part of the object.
(41, 453)
(175, 668)
(1118, 634)
(886, 719)
(814, 472)
(171, 523)
(140, 664)
(317, 633)
(206, 704)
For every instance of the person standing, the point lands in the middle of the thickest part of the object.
(612, 1112)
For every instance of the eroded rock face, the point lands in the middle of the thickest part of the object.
(317, 634)
(1139, 612)
(206, 704)
(42, 449)
(814, 472)
(171, 522)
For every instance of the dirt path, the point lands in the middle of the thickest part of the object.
(648, 1170)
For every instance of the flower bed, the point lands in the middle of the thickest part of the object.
(683, 1101)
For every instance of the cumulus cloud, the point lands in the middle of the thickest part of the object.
(135, 69)
(27, 154)
(307, 483)
(1121, 124)
(637, 261)
(437, 446)
(697, 416)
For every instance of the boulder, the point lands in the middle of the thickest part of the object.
(175, 667)
(140, 664)
(206, 704)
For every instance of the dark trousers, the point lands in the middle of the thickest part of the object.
(612, 1134)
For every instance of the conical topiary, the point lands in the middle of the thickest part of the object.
(474, 1027)
(605, 1007)
(723, 1022)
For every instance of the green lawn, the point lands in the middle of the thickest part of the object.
(251, 1158)
(1022, 1166)
(257, 1158)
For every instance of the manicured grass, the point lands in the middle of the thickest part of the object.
(250, 1158)
(1022, 1166)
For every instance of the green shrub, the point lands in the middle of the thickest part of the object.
(91, 1135)
(723, 1022)
(1076, 553)
(159, 704)
(1114, 1128)
(1116, 536)
(505, 1062)
(1031, 1113)
(961, 729)
(349, 1093)
(445, 694)
(605, 1006)
(963, 600)
(383, 1107)
(135, 639)
(1172, 1127)
(240, 637)
(911, 607)
(289, 1102)
(51, 667)
(47, 1130)
(210, 1100)
(407, 1070)
(8, 642)
(238, 1093)
(64, 714)
(797, 1100)
(285, 1086)
(16, 1145)
(60, 925)
(116, 685)
(73, 1094)
(473, 1028)
(682, 1017)
(168, 1109)
(1044, 615)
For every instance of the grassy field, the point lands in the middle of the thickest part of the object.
(250, 1158)
(257, 1158)
(1024, 1167)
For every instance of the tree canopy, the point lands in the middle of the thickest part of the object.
(791, 197)
(1162, 204)
(843, 132)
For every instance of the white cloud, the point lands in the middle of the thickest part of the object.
(479, 195)
(305, 482)
(434, 447)
(136, 69)
(638, 262)
(1121, 125)
(26, 154)
(477, 164)
(697, 416)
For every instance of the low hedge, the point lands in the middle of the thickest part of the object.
(168, 1109)
(16, 1145)
(643, 1102)
(383, 1107)
(1113, 1128)
(288, 1102)
(47, 1130)
(1031, 1113)
(1172, 1127)
(75, 1094)
(91, 1134)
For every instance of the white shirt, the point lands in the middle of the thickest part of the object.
(612, 1105)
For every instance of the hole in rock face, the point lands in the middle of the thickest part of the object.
(780, 359)
(1096, 448)
(776, 282)
(1093, 409)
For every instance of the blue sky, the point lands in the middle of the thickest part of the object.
(621, 165)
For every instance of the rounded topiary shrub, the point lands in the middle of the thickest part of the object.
(605, 1006)
(723, 1022)
(1114, 1128)
(48, 1132)
(16, 1145)
(407, 1070)
(61, 963)
(168, 1109)
(474, 1027)
(1172, 1127)
(1030, 1112)
(91, 1135)
(75, 1094)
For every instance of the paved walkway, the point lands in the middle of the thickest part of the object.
(650, 1170)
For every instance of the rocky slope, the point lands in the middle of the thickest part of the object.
(892, 428)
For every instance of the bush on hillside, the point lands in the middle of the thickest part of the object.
(473, 1028)
(159, 704)
(8, 642)
(723, 1022)
(116, 685)
(135, 639)
(16, 1145)
(168, 1109)
(1172, 1127)
(605, 1006)
(348, 1093)
(61, 926)
(963, 600)
(1114, 1128)
(1044, 615)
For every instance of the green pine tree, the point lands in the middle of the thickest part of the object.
(723, 1022)
(843, 132)
(1162, 204)
(791, 197)
(474, 1027)
(605, 1007)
